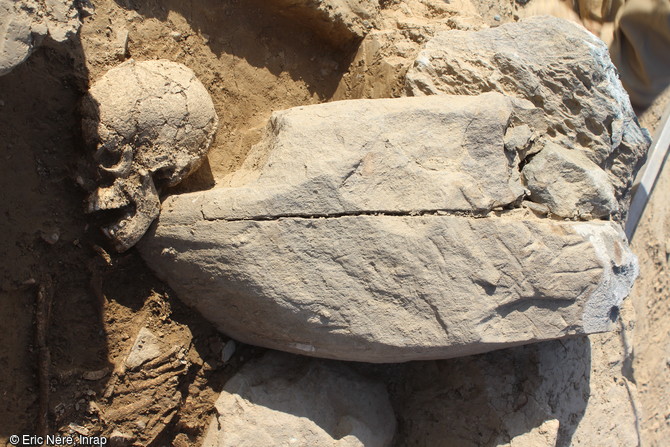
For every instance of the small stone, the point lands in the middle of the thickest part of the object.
(121, 43)
(145, 348)
(518, 138)
(94, 408)
(50, 237)
(120, 439)
(182, 440)
(79, 429)
(228, 351)
(96, 375)
(537, 208)
(569, 183)
(543, 436)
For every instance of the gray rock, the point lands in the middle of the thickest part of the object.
(561, 68)
(543, 436)
(367, 233)
(25, 23)
(409, 155)
(146, 347)
(560, 393)
(284, 400)
(569, 183)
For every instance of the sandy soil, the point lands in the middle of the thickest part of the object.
(252, 62)
(651, 300)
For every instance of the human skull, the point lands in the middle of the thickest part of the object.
(151, 124)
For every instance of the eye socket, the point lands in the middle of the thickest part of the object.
(117, 163)
(107, 157)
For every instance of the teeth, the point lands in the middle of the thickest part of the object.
(108, 198)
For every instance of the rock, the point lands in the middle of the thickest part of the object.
(543, 436)
(340, 22)
(97, 374)
(150, 123)
(558, 66)
(51, 237)
(120, 439)
(146, 347)
(228, 351)
(569, 183)
(363, 214)
(24, 25)
(559, 393)
(428, 157)
(384, 55)
(290, 400)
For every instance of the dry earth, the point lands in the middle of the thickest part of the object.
(252, 62)
(651, 300)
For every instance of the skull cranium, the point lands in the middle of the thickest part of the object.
(151, 123)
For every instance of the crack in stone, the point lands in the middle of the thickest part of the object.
(412, 213)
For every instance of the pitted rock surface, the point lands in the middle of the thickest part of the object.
(390, 230)
(561, 68)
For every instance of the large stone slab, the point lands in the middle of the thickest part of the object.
(388, 155)
(561, 68)
(284, 400)
(389, 230)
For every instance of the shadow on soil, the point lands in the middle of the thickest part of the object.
(492, 397)
(252, 31)
(44, 232)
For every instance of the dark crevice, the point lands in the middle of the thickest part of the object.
(527, 159)
(412, 213)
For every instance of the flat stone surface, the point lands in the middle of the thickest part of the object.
(146, 347)
(387, 155)
(285, 400)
